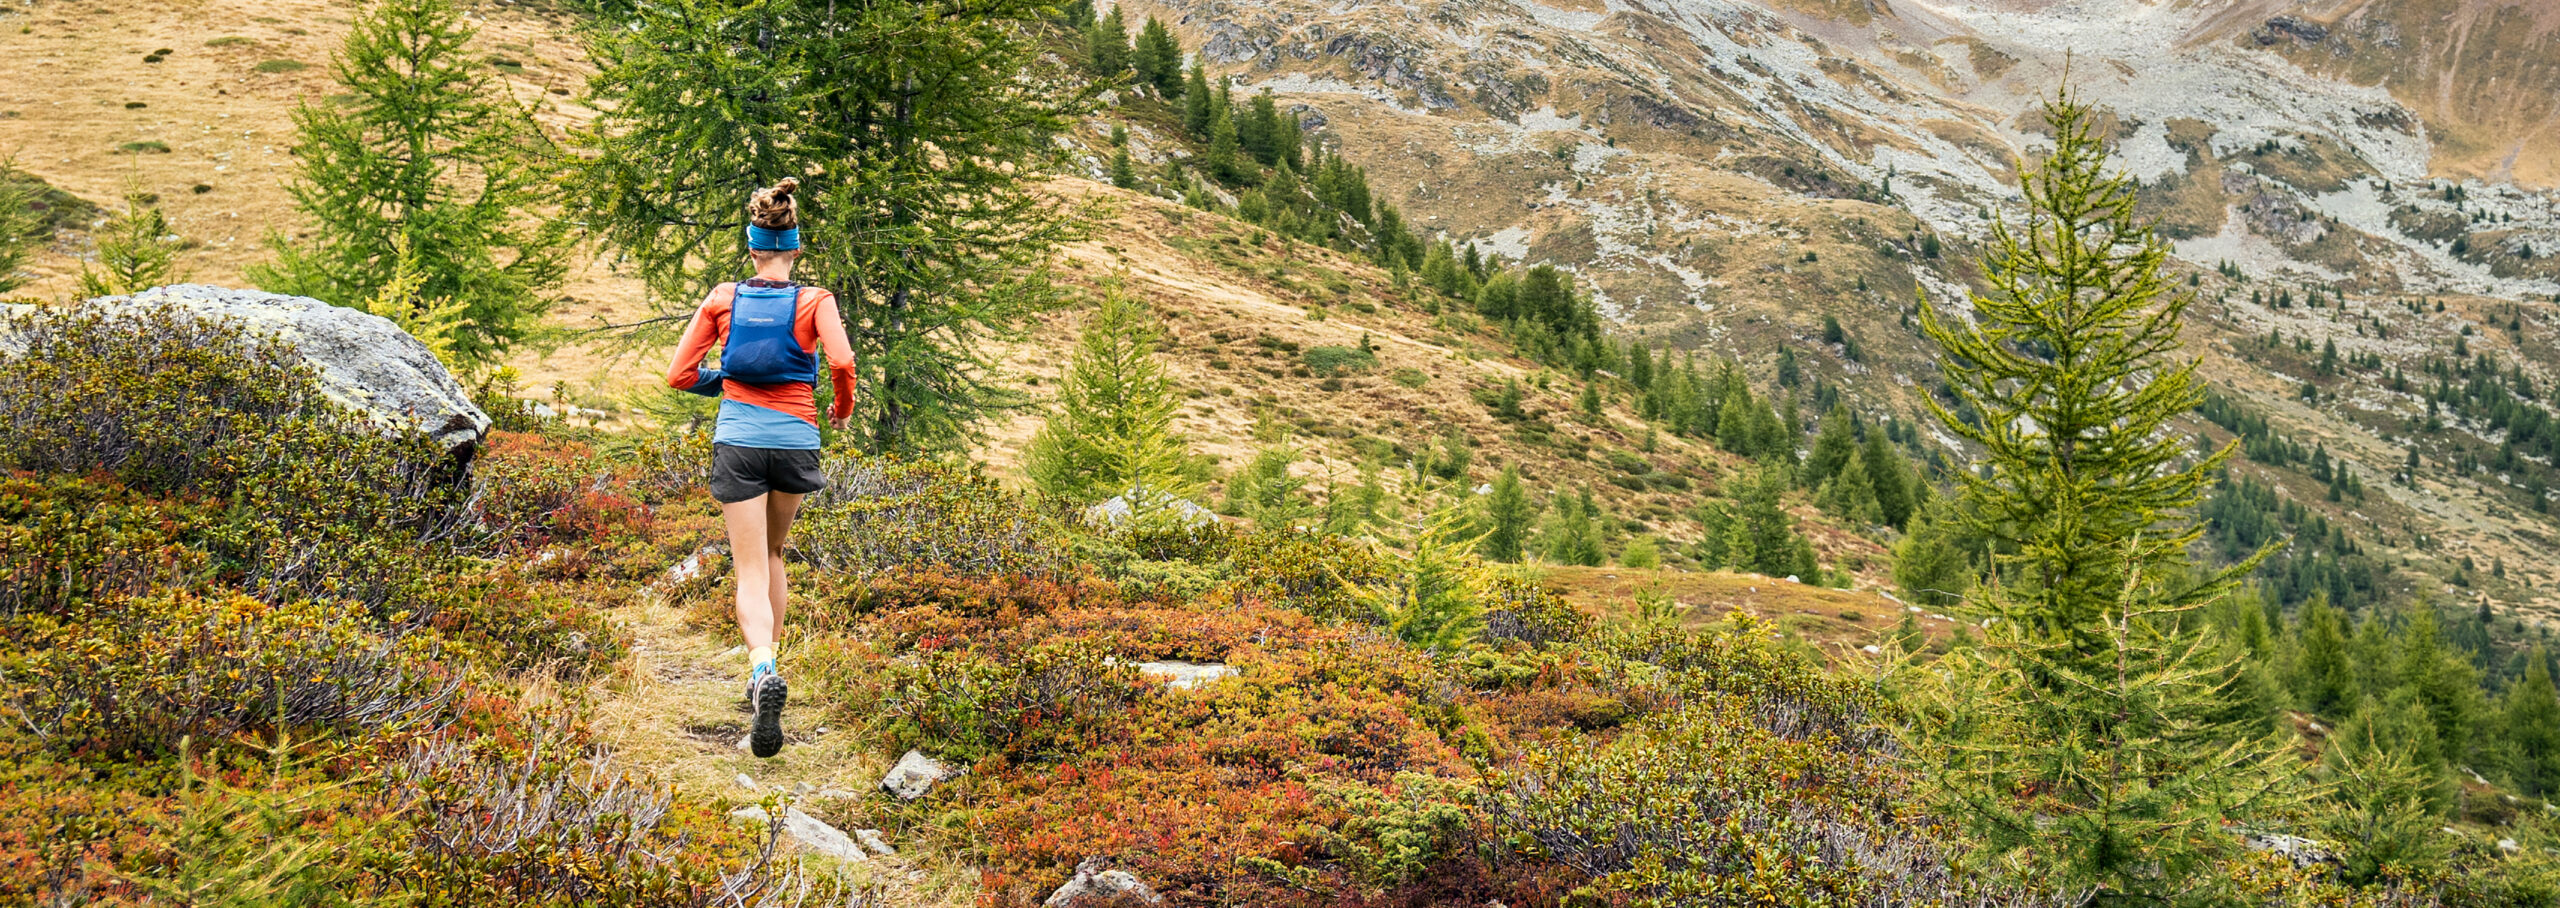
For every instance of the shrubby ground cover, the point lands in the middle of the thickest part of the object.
(192, 688)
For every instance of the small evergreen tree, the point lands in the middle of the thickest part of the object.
(1222, 159)
(2387, 797)
(136, 252)
(1832, 446)
(422, 146)
(1641, 553)
(1570, 537)
(1124, 173)
(1851, 493)
(1106, 45)
(1511, 515)
(1266, 492)
(1928, 564)
(1768, 532)
(1113, 433)
(1896, 487)
(2067, 361)
(2088, 741)
(436, 322)
(2324, 680)
(1196, 99)
(2532, 728)
(1433, 592)
(1158, 59)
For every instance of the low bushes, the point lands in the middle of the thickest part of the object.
(137, 677)
(876, 516)
(312, 500)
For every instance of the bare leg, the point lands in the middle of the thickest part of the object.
(780, 508)
(751, 560)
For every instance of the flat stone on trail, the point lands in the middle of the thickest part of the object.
(915, 775)
(815, 835)
(810, 832)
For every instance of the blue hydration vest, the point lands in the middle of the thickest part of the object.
(761, 349)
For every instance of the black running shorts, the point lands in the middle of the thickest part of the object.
(740, 473)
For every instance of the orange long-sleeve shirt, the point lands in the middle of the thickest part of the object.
(817, 322)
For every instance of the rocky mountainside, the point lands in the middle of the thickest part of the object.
(1729, 176)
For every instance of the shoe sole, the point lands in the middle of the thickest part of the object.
(770, 695)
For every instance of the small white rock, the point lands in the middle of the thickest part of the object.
(816, 835)
(1186, 675)
(746, 783)
(915, 775)
(1872, 648)
(870, 838)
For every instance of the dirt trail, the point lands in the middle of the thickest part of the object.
(676, 712)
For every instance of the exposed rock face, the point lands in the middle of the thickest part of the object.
(915, 775)
(1095, 886)
(363, 361)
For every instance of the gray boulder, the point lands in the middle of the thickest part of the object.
(915, 775)
(363, 361)
(1094, 885)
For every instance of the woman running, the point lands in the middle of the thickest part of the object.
(765, 452)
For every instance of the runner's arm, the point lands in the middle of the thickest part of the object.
(839, 349)
(687, 373)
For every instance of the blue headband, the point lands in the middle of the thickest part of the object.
(766, 239)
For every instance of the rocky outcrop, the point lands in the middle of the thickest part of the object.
(1094, 885)
(362, 361)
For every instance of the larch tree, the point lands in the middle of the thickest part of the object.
(1113, 432)
(2070, 359)
(1510, 514)
(919, 131)
(2083, 744)
(422, 149)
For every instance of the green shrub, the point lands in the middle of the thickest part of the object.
(66, 543)
(876, 515)
(138, 677)
(281, 66)
(554, 822)
(314, 500)
(1518, 608)
(1046, 701)
(1411, 377)
(148, 146)
(1755, 779)
(1395, 838)
(1334, 362)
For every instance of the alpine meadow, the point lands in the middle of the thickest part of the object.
(1478, 453)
